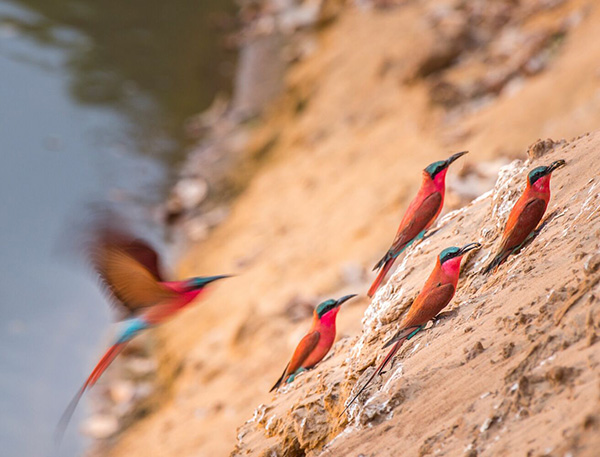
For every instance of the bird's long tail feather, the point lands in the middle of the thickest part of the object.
(381, 276)
(388, 255)
(496, 262)
(280, 380)
(102, 365)
(404, 334)
(379, 369)
(399, 339)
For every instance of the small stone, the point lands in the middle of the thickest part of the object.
(474, 351)
(486, 424)
(215, 216)
(305, 15)
(100, 426)
(140, 366)
(590, 421)
(121, 392)
(507, 350)
(542, 147)
(559, 375)
(196, 229)
(143, 390)
(189, 193)
(592, 264)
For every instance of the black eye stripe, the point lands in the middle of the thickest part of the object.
(449, 256)
(327, 309)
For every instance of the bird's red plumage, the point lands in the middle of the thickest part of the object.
(419, 216)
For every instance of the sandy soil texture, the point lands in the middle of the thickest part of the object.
(388, 90)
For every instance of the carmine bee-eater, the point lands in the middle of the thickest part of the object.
(527, 212)
(433, 298)
(420, 215)
(129, 269)
(316, 343)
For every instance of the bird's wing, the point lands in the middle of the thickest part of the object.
(280, 380)
(427, 306)
(303, 350)
(145, 255)
(421, 219)
(130, 283)
(522, 224)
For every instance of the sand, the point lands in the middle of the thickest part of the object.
(507, 373)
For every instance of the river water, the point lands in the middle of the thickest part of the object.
(93, 98)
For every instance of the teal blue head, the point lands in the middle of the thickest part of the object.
(435, 168)
(329, 305)
(453, 252)
(199, 282)
(449, 253)
(539, 172)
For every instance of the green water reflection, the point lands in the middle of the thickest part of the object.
(157, 62)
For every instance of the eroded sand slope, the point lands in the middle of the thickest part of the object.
(512, 370)
(323, 208)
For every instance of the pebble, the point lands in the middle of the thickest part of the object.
(121, 392)
(196, 229)
(591, 264)
(140, 366)
(187, 194)
(143, 390)
(100, 426)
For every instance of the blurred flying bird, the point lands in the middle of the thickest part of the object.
(129, 270)
(435, 295)
(317, 342)
(526, 214)
(420, 215)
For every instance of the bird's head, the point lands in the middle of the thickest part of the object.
(437, 170)
(200, 282)
(450, 257)
(329, 308)
(539, 177)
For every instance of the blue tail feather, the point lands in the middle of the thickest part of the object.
(131, 327)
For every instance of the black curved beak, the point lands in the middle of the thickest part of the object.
(453, 157)
(209, 279)
(344, 299)
(554, 165)
(469, 247)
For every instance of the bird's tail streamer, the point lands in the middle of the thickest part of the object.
(495, 263)
(380, 277)
(102, 365)
(412, 331)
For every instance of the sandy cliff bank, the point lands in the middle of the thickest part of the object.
(386, 92)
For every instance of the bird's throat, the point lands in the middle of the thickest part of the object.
(452, 267)
(328, 319)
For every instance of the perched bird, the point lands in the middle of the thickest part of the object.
(420, 215)
(316, 343)
(435, 295)
(129, 269)
(527, 213)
